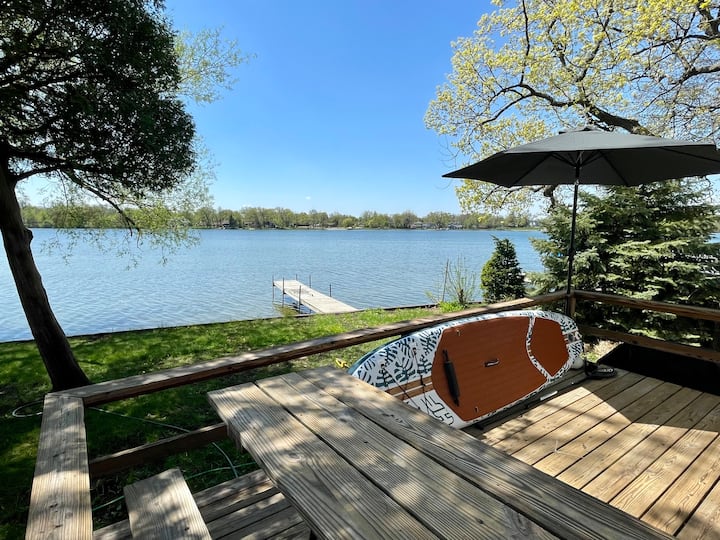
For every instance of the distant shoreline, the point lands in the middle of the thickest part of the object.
(101, 217)
(302, 228)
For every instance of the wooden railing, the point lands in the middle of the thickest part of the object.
(69, 514)
(119, 389)
(136, 385)
(691, 312)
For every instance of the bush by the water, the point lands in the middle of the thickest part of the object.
(501, 277)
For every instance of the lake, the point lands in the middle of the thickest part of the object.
(229, 274)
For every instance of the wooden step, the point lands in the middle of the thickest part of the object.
(246, 507)
(162, 507)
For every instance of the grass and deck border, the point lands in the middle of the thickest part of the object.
(62, 482)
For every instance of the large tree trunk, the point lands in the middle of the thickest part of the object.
(49, 337)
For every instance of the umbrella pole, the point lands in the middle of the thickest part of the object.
(571, 249)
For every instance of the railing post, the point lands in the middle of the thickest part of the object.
(570, 303)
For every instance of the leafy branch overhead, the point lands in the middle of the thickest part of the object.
(92, 97)
(205, 60)
(533, 67)
(88, 94)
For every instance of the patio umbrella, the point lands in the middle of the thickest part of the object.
(591, 156)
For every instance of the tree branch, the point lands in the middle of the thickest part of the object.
(694, 71)
(129, 222)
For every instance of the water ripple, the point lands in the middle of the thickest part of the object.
(228, 276)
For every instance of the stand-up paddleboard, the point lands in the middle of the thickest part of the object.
(466, 370)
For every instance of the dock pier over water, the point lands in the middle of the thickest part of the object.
(311, 299)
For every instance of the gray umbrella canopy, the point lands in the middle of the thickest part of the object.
(592, 156)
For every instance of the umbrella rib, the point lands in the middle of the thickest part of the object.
(696, 156)
(532, 167)
(620, 175)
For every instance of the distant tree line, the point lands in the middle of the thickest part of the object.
(100, 217)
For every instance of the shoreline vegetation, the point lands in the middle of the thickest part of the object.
(62, 216)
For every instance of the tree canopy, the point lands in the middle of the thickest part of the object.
(652, 242)
(88, 95)
(91, 97)
(534, 67)
(82, 217)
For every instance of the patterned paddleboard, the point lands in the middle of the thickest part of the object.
(464, 371)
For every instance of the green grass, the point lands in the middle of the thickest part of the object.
(128, 423)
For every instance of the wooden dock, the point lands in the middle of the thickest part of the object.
(308, 297)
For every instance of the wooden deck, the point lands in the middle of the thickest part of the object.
(647, 447)
(313, 300)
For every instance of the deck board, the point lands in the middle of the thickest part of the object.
(162, 507)
(248, 507)
(602, 421)
(577, 416)
(613, 465)
(648, 413)
(60, 498)
(705, 522)
(649, 448)
(678, 502)
(493, 431)
(515, 433)
(639, 495)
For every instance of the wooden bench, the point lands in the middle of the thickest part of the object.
(60, 497)
(162, 507)
(246, 507)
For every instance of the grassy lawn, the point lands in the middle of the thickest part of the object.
(128, 423)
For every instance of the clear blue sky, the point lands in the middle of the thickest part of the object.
(328, 115)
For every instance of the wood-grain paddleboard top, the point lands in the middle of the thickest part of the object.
(467, 370)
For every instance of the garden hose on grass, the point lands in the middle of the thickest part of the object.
(17, 414)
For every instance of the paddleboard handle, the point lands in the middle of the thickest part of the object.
(451, 378)
(493, 362)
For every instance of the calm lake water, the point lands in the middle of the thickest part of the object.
(229, 275)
